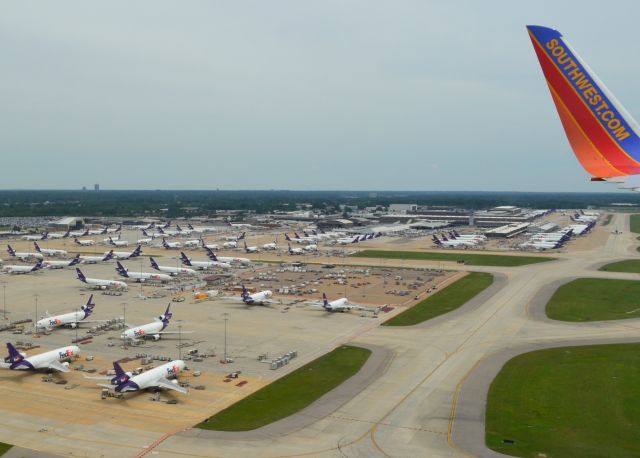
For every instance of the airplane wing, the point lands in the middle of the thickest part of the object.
(230, 298)
(100, 377)
(57, 365)
(175, 332)
(165, 383)
(315, 303)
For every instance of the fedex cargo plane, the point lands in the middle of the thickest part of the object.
(602, 134)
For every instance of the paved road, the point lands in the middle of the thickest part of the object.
(430, 400)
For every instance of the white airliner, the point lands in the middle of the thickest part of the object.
(260, 298)
(184, 231)
(191, 243)
(311, 247)
(348, 240)
(270, 246)
(113, 230)
(171, 233)
(171, 270)
(227, 259)
(250, 249)
(24, 255)
(84, 242)
(338, 305)
(101, 284)
(118, 242)
(298, 239)
(49, 252)
(141, 277)
(230, 245)
(144, 241)
(295, 251)
(82, 233)
(154, 330)
(22, 269)
(203, 265)
(213, 246)
(97, 231)
(58, 235)
(203, 229)
(97, 259)
(170, 245)
(33, 238)
(121, 255)
(155, 378)
(143, 227)
(62, 264)
(71, 319)
(50, 360)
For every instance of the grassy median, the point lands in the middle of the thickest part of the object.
(567, 402)
(595, 299)
(607, 220)
(4, 448)
(629, 266)
(444, 301)
(470, 259)
(291, 393)
(634, 221)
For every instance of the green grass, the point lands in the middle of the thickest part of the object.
(630, 265)
(4, 448)
(594, 299)
(445, 300)
(469, 259)
(291, 393)
(635, 223)
(567, 402)
(607, 220)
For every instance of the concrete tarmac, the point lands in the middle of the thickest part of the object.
(418, 405)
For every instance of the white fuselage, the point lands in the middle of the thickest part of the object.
(191, 243)
(228, 259)
(269, 246)
(26, 255)
(176, 270)
(85, 242)
(50, 252)
(18, 269)
(149, 379)
(43, 360)
(339, 305)
(57, 264)
(120, 254)
(119, 242)
(66, 319)
(203, 265)
(92, 259)
(172, 245)
(146, 241)
(149, 330)
(259, 298)
(32, 238)
(230, 245)
(105, 284)
(144, 276)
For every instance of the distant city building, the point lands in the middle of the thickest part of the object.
(96, 187)
(402, 208)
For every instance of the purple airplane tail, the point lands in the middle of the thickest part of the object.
(81, 276)
(75, 261)
(154, 264)
(11, 251)
(37, 247)
(185, 260)
(325, 301)
(14, 355)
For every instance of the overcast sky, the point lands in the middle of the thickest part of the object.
(358, 95)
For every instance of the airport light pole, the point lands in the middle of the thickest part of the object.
(35, 322)
(226, 318)
(124, 315)
(179, 339)
(4, 300)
